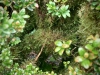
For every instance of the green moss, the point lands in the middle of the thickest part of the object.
(35, 40)
(89, 23)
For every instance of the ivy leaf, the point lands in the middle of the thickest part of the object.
(86, 63)
(81, 51)
(61, 51)
(58, 43)
(57, 49)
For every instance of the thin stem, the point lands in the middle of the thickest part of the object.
(40, 51)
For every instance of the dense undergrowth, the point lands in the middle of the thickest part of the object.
(50, 37)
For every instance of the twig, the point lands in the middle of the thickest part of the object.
(73, 50)
(40, 51)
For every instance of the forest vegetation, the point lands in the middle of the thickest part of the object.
(49, 37)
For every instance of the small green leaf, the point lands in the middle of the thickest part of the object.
(26, 16)
(5, 26)
(65, 45)
(81, 51)
(86, 54)
(70, 68)
(67, 13)
(86, 63)
(94, 3)
(92, 56)
(96, 43)
(68, 52)
(98, 7)
(62, 8)
(66, 63)
(68, 42)
(95, 51)
(61, 51)
(15, 40)
(57, 49)
(22, 12)
(57, 13)
(10, 21)
(57, 0)
(13, 30)
(58, 43)
(30, 8)
(79, 59)
(67, 6)
(64, 15)
(49, 11)
(52, 3)
(89, 47)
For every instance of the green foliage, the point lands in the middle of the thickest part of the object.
(66, 64)
(6, 2)
(29, 4)
(15, 41)
(6, 58)
(95, 4)
(89, 53)
(6, 24)
(38, 41)
(61, 1)
(7, 27)
(63, 46)
(58, 11)
(19, 21)
(75, 71)
(28, 70)
(88, 23)
(35, 40)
